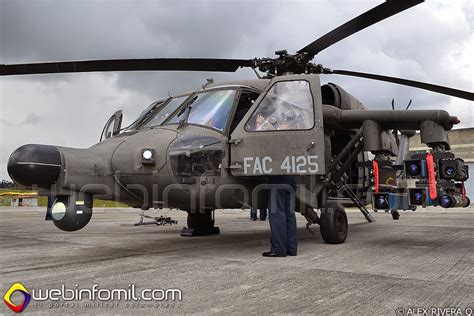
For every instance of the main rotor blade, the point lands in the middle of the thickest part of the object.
(166, 64)
(377, 14)
(417, 84)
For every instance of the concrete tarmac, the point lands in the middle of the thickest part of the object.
(424, 260)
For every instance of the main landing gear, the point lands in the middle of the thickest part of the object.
(333, 222)
(200, 223)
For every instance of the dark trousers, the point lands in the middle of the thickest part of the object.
(263, 213)
(282, 215)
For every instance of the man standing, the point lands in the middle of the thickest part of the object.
(282, 217)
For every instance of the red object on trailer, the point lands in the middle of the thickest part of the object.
(431, 176)
(375, 165)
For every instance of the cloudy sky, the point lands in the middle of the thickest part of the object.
(432, 42)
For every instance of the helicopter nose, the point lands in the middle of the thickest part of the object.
(35, 165)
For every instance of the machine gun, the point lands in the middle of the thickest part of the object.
(159, 221)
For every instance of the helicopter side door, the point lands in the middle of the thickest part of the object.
(282, 133)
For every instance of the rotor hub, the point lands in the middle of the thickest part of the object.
(283, 64)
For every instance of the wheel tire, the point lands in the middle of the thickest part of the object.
(333, 223)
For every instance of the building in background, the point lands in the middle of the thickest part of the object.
(24, 201)
(19, 198)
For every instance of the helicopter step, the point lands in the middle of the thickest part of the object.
(200, 223)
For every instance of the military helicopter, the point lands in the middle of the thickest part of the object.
(217, 147)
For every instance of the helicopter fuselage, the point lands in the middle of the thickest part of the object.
(217, 148)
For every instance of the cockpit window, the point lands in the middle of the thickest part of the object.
(210, 108)
(181, 114)
(165, 112)
(142, 117)
(288, 105)
(149, 108)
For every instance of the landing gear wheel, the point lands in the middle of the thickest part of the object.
(200, 224)
(333, 223)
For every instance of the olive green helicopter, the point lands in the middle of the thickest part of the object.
(215, 148)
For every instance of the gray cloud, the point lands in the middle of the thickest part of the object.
(432, 42)
(32, 119)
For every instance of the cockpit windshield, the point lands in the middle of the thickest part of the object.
(211, 108)
(143, 115)
(166, 111)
